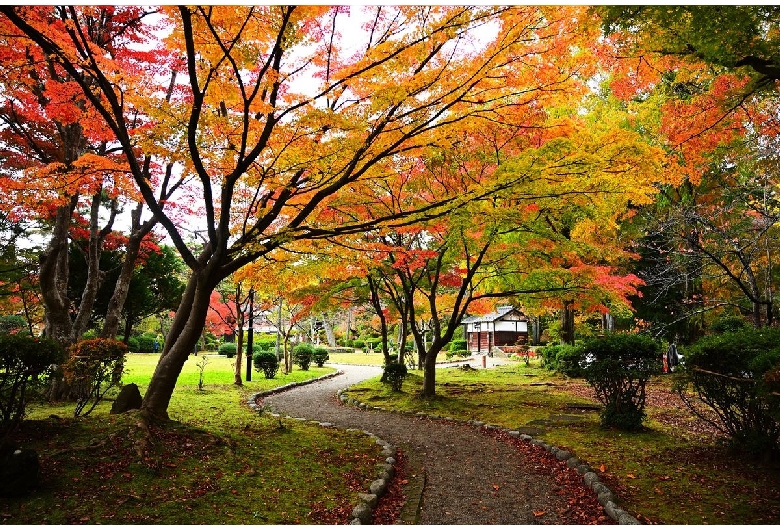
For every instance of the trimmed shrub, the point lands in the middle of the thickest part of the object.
(302, 355)
(449, 354)
(25, 364)
(562, 358)
(458, 345)
(395, 374)
(228, 349)
(266, 362)
(319, 356)
(94, 367)
(618, 367)
(359, 343)
(146, 343)
(132, 345)
(735, 376)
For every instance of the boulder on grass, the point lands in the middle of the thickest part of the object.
(129, 398)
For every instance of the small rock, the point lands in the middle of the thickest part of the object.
(605, 497)
(589, 478)
(369, 498)
(378, 487)
(362, 512)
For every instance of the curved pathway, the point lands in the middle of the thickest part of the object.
(469, 478)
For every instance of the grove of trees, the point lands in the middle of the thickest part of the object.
(421, 162)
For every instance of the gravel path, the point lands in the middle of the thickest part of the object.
(469, 478)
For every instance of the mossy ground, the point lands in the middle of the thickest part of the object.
(215, 462)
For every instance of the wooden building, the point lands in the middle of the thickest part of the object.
(506, 327)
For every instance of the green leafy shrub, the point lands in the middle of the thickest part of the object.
(146, 343)
(266, 362)
(373, 343)
(10, 324)
(450, 354)
(458, 345)
(562, 358)
(132, 345)
(94, 366)
(359, 344)
(319, 356)
(265, 341)
(394, 374)
(228, 349)
(727, 324)
(733, 375)
(25, 364)
(302, 355)
(618, 367)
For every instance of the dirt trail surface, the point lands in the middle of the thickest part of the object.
(470, 478)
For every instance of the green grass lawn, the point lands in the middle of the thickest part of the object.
(664, 474)
(367, 358)
(216, 462)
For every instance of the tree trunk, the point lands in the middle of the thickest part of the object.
(117, 302)
(330, 336)
(53, 278)
(567, 323)
(237, 380)
(185, 331)
(429, 376)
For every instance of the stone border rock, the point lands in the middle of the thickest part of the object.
(590, 477)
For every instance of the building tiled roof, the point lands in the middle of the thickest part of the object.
(500, 313)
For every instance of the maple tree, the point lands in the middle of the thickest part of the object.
(703, 79)
(275, 162)
(59, 163)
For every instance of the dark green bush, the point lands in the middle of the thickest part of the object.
(94, 366)
(562, 358)
(267, 362)
(727, 324)
(457, 353)
(618, 367)
(146, 343)
(458, 345)
(394, 374)
(359, 343)
(319, 356)
(25, 364)
(302, 355)
(732, 374)
(132, 345)
(228, 349)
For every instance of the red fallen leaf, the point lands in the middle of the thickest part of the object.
(630, 475)
(602, 468)
(496, 487)
(539, 514)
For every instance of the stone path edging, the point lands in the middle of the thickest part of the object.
(362, 512)
(590, 477)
